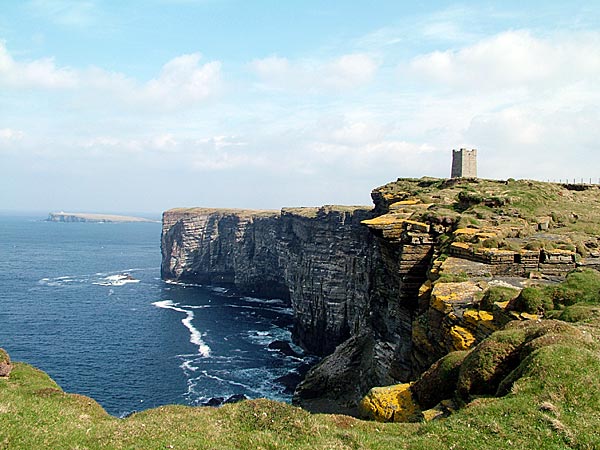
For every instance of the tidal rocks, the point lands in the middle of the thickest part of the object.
(215, 402)
(284, 348)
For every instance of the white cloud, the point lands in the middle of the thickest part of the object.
(182, 81)
(512, 59)
(345, 72)
(8, 134)
(40, 73)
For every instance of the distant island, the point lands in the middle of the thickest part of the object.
(93, 218)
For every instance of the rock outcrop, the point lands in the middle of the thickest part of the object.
(434, 268)
(5, 364)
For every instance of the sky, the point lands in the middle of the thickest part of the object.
(146, 105)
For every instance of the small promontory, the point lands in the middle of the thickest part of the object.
(93, 218)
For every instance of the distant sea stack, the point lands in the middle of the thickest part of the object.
(93, 218)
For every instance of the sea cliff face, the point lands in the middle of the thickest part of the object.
(224, 247)
(346, 284)
(319, 259)
(382, 293)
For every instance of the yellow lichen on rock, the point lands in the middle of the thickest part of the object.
(461, 338)
(385, 219)
(390, 404)
(446, 296)
(409, 202)
(440, 411)
(480, 319)
(527, 316)
(466, 231)
(443, 303)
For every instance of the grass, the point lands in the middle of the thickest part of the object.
(581, 287)
(502, 205)
(552, 401)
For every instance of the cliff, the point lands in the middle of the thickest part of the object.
(436, 266)
(319, 259)
(497, 278)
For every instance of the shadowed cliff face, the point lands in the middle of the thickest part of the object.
(345, 282)
(224, 247)
(320, 259)
(328, 259)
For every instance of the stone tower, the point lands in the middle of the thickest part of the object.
(464, 163)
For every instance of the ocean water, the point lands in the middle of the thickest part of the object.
(85, 303)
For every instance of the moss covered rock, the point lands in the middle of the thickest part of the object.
(439, 382)
(485, 369)
(5, 364)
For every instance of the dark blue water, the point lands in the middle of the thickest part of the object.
(84, 302)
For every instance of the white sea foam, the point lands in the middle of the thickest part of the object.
(221, 290)
(187, 365)
(272, 301)
(181, 283)
(222, 380)
(116, 280)
(195, 335)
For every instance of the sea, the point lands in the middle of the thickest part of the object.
(85, 303)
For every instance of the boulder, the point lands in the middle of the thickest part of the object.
(5, 364)
(390, 404)
(284, 348)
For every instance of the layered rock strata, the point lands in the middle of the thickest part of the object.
(320, 259)
(384, 293)
(342, 280)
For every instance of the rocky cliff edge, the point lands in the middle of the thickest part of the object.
(435, 267)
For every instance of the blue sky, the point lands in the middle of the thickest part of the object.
(140, 106)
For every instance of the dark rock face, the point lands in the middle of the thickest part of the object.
(328, 259)
(340, 380)
(320, 259)
(224, 247)
(346, 284)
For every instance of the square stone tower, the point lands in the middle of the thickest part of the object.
(464, 163)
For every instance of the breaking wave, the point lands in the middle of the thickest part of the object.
(195, 335)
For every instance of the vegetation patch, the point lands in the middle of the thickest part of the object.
(580, 287)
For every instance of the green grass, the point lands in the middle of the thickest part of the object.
(552, 401)
(504, 205)
(581, 287)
